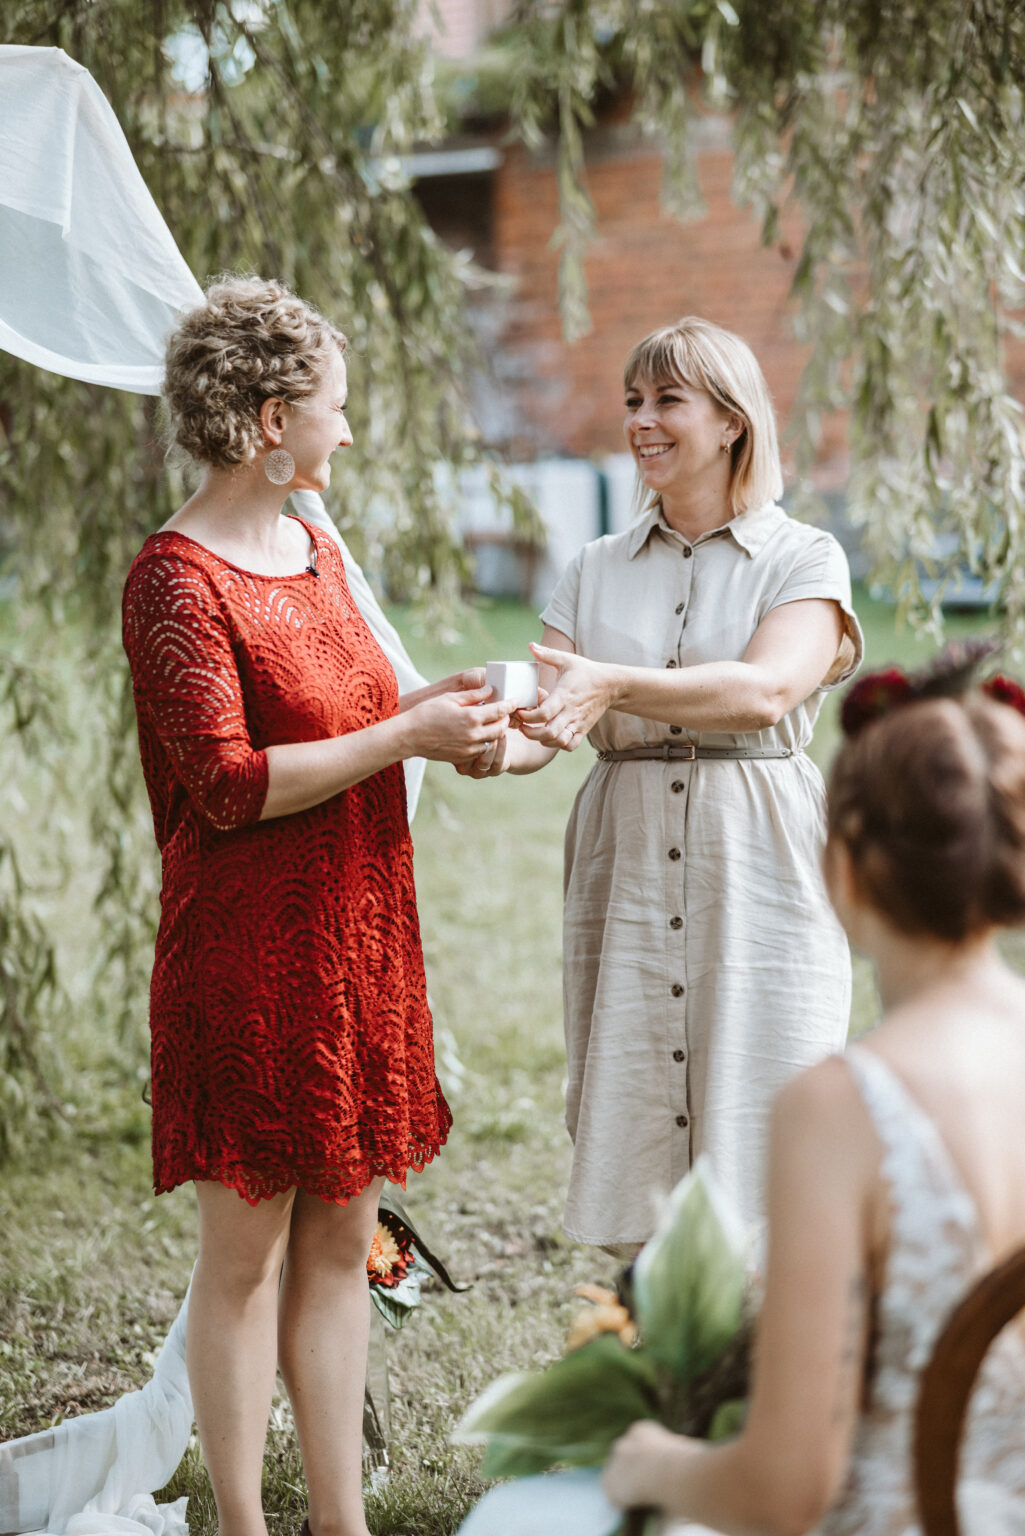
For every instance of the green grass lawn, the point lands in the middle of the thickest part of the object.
(93, 1267)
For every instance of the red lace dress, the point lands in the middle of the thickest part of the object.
(291, 1034)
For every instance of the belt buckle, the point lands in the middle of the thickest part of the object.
(680, 751)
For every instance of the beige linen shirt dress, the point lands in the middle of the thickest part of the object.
(702, 964)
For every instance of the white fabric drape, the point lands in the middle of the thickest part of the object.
(90, 283)
(91, 276)
(96, 1475)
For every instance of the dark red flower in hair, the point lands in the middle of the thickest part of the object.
(1004, 690)
(872, 696)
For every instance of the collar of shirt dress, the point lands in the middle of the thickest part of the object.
(750, 531)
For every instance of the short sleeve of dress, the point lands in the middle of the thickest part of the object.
(561, 611)
(821, 570)
(187, 688)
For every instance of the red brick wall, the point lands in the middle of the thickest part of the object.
(644, 270)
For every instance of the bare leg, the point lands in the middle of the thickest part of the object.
(323, 1328)
(232, 1344)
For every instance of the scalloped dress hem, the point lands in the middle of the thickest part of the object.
(253, 1190)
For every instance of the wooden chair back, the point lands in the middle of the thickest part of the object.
(946, 1386)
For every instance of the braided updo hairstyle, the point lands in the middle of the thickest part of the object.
(930, 803)
(249, 341)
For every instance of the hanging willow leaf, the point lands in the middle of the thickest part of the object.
(898, 146)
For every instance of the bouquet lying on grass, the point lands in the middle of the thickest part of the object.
(398, 1264)
(400, 1261)
(674, 1345)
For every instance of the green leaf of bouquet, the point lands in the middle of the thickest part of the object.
(689, 1280)
(568, 1414)
(728, 1419)
(396, 1303)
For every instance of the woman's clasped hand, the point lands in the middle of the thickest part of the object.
(456, 720)
(582, 692)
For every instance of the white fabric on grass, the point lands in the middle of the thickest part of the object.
(90, 284)
(96, 1475)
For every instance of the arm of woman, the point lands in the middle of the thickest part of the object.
(789, 655)
(187, 689)
(449, 728)
(783, 1472)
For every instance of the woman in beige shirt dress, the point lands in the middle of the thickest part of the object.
(702, 965)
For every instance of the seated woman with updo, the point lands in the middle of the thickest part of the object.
(897, 1172)
(292, 1063)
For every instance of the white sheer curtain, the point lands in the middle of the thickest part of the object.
(90, 283)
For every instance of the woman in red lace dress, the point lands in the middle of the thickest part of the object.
(293, 1066)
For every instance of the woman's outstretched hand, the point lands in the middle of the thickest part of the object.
(638, 1473)
(582, 692)
(458, 727)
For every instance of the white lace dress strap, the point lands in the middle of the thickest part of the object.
(935, 1242)
(936, 1250)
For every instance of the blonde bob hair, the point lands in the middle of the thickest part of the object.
(703, 355)
(249, 341)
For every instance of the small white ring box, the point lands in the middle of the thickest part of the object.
(514, 681)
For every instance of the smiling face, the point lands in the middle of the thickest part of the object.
(677, 434)
(317, 426)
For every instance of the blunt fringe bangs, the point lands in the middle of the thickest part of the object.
(696, 352)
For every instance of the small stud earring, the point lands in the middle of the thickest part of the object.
(279, 466)
(726, 447)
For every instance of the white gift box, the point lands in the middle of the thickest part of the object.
(514, 681)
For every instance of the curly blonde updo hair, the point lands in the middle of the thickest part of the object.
(249, 341)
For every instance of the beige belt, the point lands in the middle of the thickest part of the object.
(687, 752)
